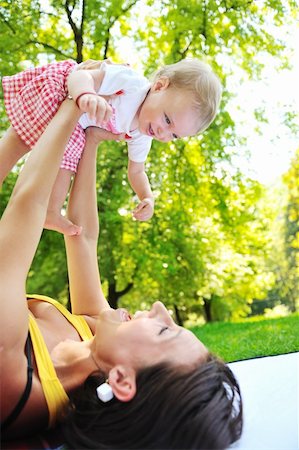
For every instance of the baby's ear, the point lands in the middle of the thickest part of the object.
(161, 83)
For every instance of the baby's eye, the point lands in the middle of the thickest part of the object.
(167, 120)
(175, 136)
(162, 330)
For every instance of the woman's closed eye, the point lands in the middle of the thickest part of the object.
(162, 330)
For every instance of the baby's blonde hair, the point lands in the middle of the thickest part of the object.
(198, 78)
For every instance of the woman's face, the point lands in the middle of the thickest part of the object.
(150, 337)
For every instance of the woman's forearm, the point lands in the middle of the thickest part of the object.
(82, 205)
(37, 178)
(85, 285)
(26, 211)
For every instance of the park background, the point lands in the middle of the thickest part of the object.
(223, 245)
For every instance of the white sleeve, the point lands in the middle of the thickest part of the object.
(118, 77)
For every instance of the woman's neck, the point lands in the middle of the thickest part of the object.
(73, 362)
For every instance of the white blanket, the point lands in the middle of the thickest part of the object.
(270, 390)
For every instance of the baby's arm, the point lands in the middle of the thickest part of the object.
(140, 184)
(83, 86)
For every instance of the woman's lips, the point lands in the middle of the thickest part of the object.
(124, 315)
(115, 315)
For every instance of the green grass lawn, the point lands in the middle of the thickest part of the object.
(251, 337)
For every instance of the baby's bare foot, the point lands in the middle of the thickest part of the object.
(61, 224)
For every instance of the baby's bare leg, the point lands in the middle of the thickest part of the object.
(12, 148)
(54, 220)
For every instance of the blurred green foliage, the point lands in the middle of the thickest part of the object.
(215, 246)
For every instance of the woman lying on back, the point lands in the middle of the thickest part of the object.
(114, 382)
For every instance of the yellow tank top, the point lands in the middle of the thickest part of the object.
(55, 395)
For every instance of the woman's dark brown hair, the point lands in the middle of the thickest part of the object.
(200, 409)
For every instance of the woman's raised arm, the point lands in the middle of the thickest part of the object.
(22, 223)
(85, 286)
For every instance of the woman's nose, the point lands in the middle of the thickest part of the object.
(161, 311)
(139, 314)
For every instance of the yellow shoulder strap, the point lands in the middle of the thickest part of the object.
(78, 322)
(55, 395)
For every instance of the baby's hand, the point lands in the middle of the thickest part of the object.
(96, 107)
(145, 209)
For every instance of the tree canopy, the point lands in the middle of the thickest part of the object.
(209, 248)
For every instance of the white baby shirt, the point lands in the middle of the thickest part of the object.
(130, 89)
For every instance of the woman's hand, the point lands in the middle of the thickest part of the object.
(95, 135)
(91, 64)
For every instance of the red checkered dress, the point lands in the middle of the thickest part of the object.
(33, 97)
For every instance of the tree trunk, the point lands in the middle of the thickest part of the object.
(114, 295)
(178, 317)
(207, 309)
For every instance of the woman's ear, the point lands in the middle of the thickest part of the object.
(123, 382)
(160, 84)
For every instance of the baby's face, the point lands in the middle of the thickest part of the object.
(167, 113)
